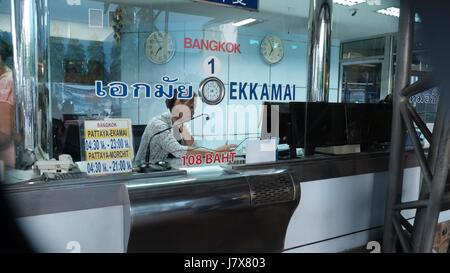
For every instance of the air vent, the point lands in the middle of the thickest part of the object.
(272, 189)
(96, 18)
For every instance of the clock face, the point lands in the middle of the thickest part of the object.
(212, 90)
(272, 49)
(159, 47)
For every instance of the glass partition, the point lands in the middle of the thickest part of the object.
(188, 82)
(232, 59)
(364, 48)
(358, 118)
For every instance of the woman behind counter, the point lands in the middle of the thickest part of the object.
(164, 144)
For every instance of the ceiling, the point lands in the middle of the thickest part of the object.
(291, 15)
(277, 15)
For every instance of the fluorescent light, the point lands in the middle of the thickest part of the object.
(392, 11)
(73, 2)
(244, 22)
(395, 12)
(348, 2)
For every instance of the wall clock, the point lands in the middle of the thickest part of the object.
(159, 47)
(272, 49)
(212, 90)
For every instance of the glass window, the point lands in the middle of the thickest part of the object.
(194, 78)
(363, 48)
(425, 103)
(361, 83)
(254, 56)
(359, 115)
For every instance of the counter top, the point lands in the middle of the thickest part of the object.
(325, 167)
(111, 190)
(306, 169)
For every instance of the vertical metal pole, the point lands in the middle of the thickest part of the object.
(44, 117)
(24, 32)
(390, 63)
(396, 162)
(319, 49)
(433, 152)
(428, 218)
(435, 20)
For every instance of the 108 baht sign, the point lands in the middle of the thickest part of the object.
(108, 146)
(245, 4)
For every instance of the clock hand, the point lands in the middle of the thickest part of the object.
(158, 42)
(160, 46)
(159, 49)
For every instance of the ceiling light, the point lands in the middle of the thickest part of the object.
(348, 2)
(392, 11)
(73, 2)
(395, 12)
(244, 22)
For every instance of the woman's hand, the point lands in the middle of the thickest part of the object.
(226, 148)
(186, 136)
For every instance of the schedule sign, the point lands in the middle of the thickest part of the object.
(108, 147)
(245, 4)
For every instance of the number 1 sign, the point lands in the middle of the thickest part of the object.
(212, 66)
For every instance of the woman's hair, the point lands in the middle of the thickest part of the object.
(5, 50)
(170, 103)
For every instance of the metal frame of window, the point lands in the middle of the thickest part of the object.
(371, 60)
(386, 61)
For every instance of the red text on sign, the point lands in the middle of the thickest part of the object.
(208, 159)
(212, 45)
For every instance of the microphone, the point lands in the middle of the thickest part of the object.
(147, 155)
(207, 117)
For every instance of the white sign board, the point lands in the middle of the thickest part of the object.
(108, 146)
(261, 151)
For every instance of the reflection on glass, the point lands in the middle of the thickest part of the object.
(7, 90)
(108, 41)
(361, 83)
(363, 48)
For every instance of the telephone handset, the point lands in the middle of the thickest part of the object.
(64, 164)
(40, 154)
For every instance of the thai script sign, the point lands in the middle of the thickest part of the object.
(164, 90)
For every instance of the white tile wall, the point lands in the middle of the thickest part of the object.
(187, 65)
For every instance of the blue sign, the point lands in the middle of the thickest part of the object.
(165, 90)
(246, 4)
(250, 91)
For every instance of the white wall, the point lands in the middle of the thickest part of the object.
(5, 22)
(246, 67)
(340, 206)
(96, 230)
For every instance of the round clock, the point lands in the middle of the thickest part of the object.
(272, 49)
(159, 47)
(212, 90)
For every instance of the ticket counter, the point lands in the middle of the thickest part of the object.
(171, 126)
